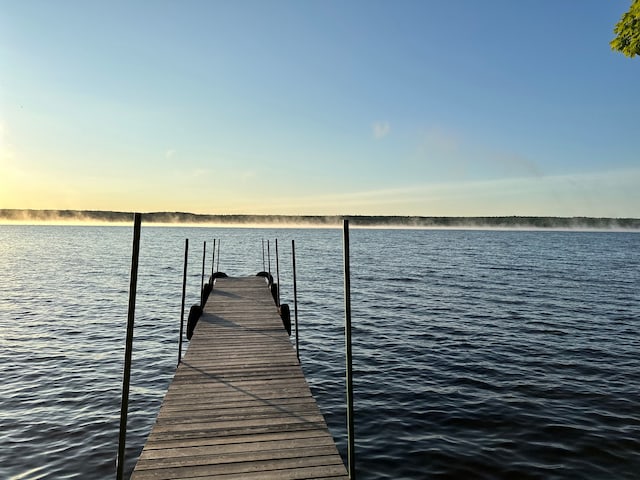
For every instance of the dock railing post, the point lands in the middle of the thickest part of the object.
(295, 295)
(184, 292)
(204, 255)
(349, 370)
(269, 257)
(218, 262)
(213, 259)
(126, 380)
(263, 265)
(277, 275)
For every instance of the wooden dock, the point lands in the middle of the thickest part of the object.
(239, 406)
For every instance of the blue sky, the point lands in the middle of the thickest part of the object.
(494, 107)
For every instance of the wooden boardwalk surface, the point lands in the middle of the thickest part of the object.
(239, 406)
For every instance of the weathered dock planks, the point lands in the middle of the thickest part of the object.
(239, 406)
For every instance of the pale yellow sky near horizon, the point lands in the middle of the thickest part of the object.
(583, 195)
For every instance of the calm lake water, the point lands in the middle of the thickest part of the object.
(477, 354)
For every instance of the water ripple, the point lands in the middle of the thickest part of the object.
(476, 354)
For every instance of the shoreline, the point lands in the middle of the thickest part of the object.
(514, 222)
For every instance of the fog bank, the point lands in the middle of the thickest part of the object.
(185, 218)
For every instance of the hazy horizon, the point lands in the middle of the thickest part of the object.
(111, 218)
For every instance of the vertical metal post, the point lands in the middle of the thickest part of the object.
(269, 256)
(218, 264)
(213, 258)
(347, 337)
(263, 254)
(184, 292)
(278, 274)
(295, 295)
(126, 380)
(204, 255)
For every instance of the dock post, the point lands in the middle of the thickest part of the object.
(263, 265)
(184, 292)
(218, 263)
(269, 257)
(126, 380)
(295, 295)
(349, 369)
(278, 274)
(213, 259)
(204, 255)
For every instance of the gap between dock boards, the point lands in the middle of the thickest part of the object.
(239, 406)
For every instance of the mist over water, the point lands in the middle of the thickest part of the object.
(99, 217)
(477, 354)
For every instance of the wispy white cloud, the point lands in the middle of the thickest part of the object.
(450, 155)
(170, 153)
(381, 129)
(607, 194)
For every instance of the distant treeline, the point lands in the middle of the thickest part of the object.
(320, 220)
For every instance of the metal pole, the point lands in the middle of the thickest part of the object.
(295, 295)
(218, 264)
(213, 258)
(184, 291)
(269, 256)
(204, 255)
(263, 254)
(349, 370)
(126, 380)
(278, 273)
